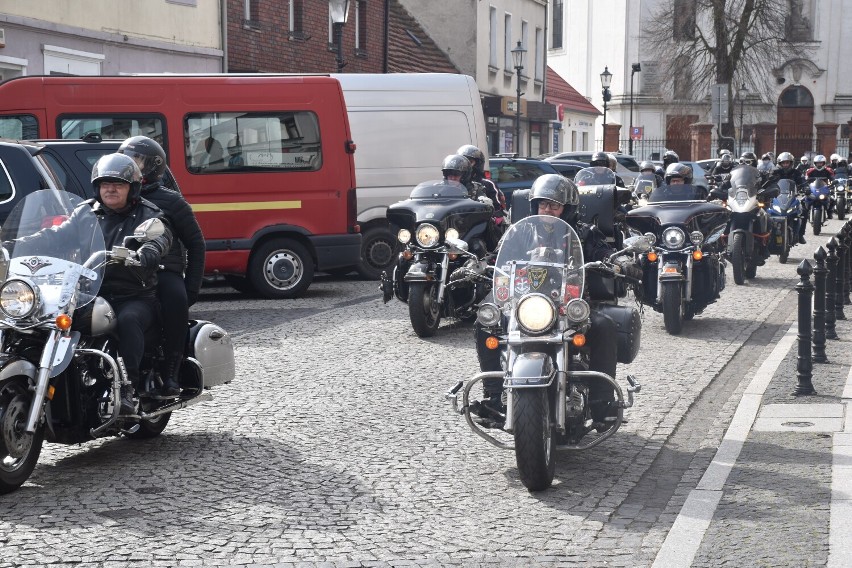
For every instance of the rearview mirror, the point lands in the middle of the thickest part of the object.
(457, 244)
(637, 244)
(149, 230)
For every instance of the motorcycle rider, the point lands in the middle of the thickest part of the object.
(647, 167)
(604, 160)
(130, 288)
(725, 165)
(785, 170)
(174, 291)
(555, 195)
(749, 159)
(498, 221)
(670, 157)
(803, 165)
(819, 170)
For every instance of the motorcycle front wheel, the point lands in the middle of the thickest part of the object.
(738, 260)
(535, 448)
(841, 208)
(672, 307)
(816, 220)
(423, 308)
(19, 451)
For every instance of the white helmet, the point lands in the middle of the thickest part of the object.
(819, 162)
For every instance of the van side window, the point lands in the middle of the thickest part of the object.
(248, 142)
(19, 127)
(112, 127)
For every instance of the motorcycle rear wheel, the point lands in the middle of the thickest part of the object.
(151, 428)
(19, 452)
(672, 307)
(535, 446)
(816, 221)
(738, 261)
(423, 308)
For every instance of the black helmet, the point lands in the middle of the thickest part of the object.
(455, 163)
(678, 170)
(670, 157)
(120, 168)
(148, 155)
(727, 160)
(599, 159)
(749, 159)
(554, 187)
(647, 166)
(471, 152)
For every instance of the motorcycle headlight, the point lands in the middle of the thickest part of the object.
(822, 196)
(488, 315)
(403, 236)
(536, 313)
(577, 310)
(427, 235)
(777, 208)
(17, 299)
(673, 238)
(696, 237)
(451, 234)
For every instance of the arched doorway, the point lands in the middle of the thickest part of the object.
(795, 121)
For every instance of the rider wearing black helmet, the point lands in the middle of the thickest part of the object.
(749, 159)
(647, 167)
(553, 194)
(477, 163)
(174, 291)
(604, 160)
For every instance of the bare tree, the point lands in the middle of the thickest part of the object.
(733, 42)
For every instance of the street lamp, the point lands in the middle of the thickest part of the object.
(606, 81)
(741, 94)
(637, 67)
(518, 60)
(339, 11)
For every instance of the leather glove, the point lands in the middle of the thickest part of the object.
(149, 260)
(628, 267)
(485, 200)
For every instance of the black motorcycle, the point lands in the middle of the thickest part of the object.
(685, 272)
(433, 277)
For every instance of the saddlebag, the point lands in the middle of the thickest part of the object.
(211, 346)
(629, 327)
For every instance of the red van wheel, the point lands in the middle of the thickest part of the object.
(281, 268)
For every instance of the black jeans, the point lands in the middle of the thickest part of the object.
(135, 317)
(174, 306)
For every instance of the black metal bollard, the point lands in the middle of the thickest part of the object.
(831, 261)
(840, 276)
(819, 307)
(847, 276)
(804, 365)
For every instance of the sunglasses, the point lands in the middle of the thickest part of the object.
(550, 205)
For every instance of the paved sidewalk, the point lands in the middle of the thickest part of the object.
(779, 490)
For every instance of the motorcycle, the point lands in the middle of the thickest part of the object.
(60, 374)
(748, 228)
(538, 320)
(685, 271)
(784, 215)
(819, 203)
(839, 189)
(432, 277)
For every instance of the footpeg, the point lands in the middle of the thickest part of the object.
(633, 388)
(453, 398)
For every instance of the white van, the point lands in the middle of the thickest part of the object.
(403, 126)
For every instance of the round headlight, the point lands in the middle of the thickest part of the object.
(451, 234)
(577, 310)
(696, 237)
(403, 236)
(488, 315)
(17, 299)
(427, 235)
(822, 196)
(536, 313)
(673, 238)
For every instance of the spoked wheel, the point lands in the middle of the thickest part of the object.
(535, 446)
(738, 260)
(423, 308)
(19, 451)
(672, 307)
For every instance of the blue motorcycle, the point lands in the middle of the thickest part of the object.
(785, 217)
(819, 203)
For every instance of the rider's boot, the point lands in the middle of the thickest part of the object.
(171, 386)
(128, 405)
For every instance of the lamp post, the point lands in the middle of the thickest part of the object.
(518, 60)
(606, 81)
(339, 11)
(741, 94)
(636, 68)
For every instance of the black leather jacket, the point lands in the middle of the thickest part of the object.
(188, 246)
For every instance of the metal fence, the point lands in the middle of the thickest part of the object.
(654, 148)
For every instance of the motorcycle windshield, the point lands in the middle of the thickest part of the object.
(678, 192)
(644, 185)
(819, 186)
(539, 254)
(786, 193)
(744, 179)
(598, 175)
(55, 241)
(435, 189)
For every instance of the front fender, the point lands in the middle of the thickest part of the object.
(531, 370)
(13, 366)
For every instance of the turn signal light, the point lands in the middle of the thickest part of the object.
(578, 340)
(49, 394)
(407, 254)
(652, 257)
(697, 254)
(63, 322)
(453, 256)
(492, 342)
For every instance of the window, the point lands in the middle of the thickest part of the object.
(539, 55)
(683, 24)
(297, 11)
(556, 25)
(507, 36)
(112, 127)
(492, 37)
(525, 42)
(798, 21)
(19, 127)
(234, 141)
(64, 61)
(361, 27)
(251, 14)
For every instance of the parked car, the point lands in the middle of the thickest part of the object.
(22, 171)
(511, 174)
(568, 168)
(708, 165)
(627, 167)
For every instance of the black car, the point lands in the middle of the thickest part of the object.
(568, 168)
(22, 171)
(511, 174)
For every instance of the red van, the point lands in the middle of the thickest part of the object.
(266, 161)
